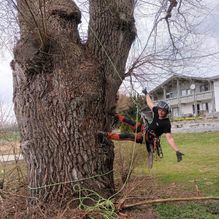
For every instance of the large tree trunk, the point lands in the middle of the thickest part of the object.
(64, 92)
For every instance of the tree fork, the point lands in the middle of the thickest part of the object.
(63, 93)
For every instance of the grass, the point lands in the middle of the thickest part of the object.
(200, 165)
(13, 175)
(198, 170)
(9, 137)
(198, 173)
(9, 142)
(188, 211)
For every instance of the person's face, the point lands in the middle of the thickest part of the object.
(162, 113)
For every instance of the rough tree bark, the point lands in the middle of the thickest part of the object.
(64, 91)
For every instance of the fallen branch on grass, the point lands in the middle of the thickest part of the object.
(170, 200)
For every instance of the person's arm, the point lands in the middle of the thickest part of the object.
(148, 99)
(171, 141)
(149, 102)
(173, 145)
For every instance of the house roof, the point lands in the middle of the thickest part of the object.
(174, 76)
(215, 77)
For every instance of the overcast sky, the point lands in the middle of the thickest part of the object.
(209, 27)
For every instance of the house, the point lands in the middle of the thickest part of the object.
(189, 96)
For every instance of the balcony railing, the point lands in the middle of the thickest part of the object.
(201, 96)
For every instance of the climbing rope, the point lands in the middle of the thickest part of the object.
(102, 205)
(68, 182)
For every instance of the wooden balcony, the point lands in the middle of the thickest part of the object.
(201, 96)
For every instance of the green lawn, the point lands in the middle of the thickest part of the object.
(198, 172)
(188, 211)
(9, 137)
(200, 165)
(199, 169)
(9, 142)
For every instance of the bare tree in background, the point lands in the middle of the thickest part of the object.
(7, 120)
(170, 41)
(65, 89)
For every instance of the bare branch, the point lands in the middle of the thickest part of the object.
(148, 202)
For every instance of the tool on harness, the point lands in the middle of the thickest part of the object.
(157, 147)
(152, 141)
(154, 148)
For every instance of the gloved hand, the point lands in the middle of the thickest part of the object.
(179, 156)
(144, 91)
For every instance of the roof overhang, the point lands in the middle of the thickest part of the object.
(177, 76)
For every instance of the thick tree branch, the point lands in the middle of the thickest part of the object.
(148, 202)
(116, 18)
(173, 3)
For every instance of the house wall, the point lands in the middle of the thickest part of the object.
(216, 94)
(202, 105)
(203, 94)
(184, 85)
(160, 96)
(171, 89)
(175, 111)
(187, 109)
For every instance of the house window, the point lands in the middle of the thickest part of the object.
(204, 87)
(193, 109)
(186, 92)
(175, 112)
(189, 92)
(196, 109)
(169, 95)
(205, 107)
(183, 92)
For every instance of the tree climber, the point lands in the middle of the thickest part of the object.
(143, 133)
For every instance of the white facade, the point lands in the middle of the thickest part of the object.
(189, 96)
(216, 94)
(187, 108)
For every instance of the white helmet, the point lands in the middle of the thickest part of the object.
(164, 106)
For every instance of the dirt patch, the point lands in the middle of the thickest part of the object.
(150, 188)
(147, 189)
(141, 213)
(138, 189)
